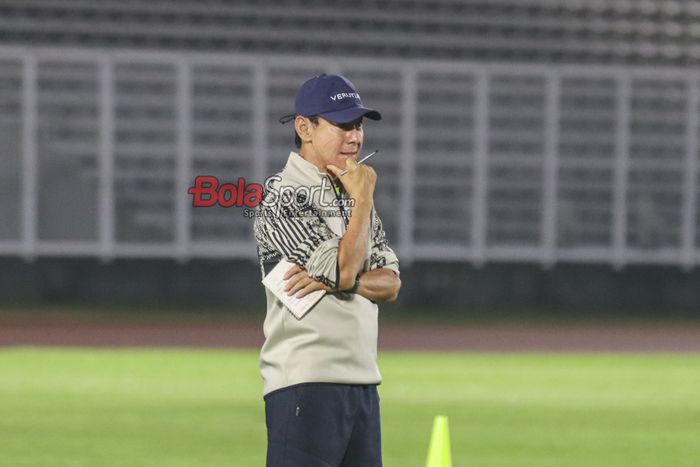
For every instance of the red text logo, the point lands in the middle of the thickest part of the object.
(207, 191)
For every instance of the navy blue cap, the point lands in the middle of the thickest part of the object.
(332, 97)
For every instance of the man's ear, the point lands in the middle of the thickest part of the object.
(303, 127)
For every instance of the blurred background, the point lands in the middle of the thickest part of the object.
(538, 178)
(535, 154)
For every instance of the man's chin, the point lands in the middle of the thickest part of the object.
(343, 160)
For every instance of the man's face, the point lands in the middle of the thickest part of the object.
(334, 143)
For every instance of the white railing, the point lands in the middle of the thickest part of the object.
(478, 162)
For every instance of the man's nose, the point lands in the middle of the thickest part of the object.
(353, 136)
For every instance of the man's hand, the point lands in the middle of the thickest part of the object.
(300, 283)
(359, 181)
(380, 285)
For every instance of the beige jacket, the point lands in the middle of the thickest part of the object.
(337, 340)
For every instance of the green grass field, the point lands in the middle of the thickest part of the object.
(177, 408)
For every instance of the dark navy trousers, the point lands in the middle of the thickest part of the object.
(323, 425)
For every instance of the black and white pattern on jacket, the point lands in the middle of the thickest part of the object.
(295, 231)
(292, 231)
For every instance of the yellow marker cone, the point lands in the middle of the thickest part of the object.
(439, 452)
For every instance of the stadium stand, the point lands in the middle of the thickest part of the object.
(578, 155)
(572, 31)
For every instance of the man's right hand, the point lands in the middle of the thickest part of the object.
(359, 181)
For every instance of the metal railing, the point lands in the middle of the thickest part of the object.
(478, 163)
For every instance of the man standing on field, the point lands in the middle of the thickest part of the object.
(320, 372)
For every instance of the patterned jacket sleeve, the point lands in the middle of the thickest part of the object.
(382, 256)
(298, 234)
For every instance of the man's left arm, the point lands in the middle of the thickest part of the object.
(381, 282)
(379, 285)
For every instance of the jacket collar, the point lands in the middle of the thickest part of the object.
(300, 166)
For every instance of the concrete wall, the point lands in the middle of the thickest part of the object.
(457, 287)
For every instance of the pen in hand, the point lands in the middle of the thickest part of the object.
(360, 161)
